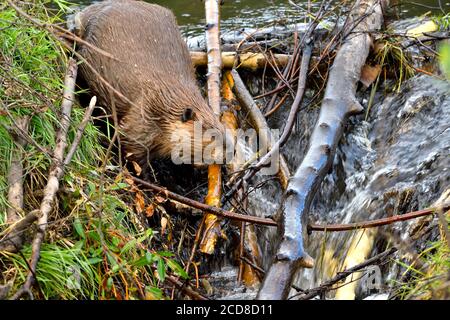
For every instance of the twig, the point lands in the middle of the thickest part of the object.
(186, 289)
(65, 33)
(55, 175)
(377, 222)
(80, 130)
(15, 184)
(259, 122)
(205, 207)
(15, 230)
(311, 293)
(307, 51)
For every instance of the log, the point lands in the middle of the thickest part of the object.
(250, 60)
(338, 104)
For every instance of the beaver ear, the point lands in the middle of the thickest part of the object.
(188, 114)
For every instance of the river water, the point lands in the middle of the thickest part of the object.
(395, 160)
(257, 13)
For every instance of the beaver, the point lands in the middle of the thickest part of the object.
(155, 93)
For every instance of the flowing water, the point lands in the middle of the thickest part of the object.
(236, 14)
(392, 161)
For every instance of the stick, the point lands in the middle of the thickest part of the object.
(211, 226)
(377, 222)
(212, 223)
(259, 122)
(214, 56)
(187, 290)
(338, 104)
(204, 207)
(311, 293)
(8, 242)
(56, 172)
(307, 51)
(248, 60)
(80, 130)
(15, 183)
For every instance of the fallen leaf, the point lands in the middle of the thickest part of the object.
(137, 168)
(140, 202)
(369, 74)
(164, 221)
(160, 199)
(129, 181)
(149, 211)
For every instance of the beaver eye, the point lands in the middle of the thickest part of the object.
(187, 115)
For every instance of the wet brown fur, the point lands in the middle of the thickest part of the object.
(151, 67)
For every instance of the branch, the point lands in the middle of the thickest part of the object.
(259, 123)
(311, 293)
(211, 222)
(248, 60)
(307, 51)
(56, 172)
(15, 186)
(204, 207)
(186, 289)
(80, 130)
(377, 222)
(214, 56)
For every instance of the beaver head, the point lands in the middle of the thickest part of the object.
(175, 122)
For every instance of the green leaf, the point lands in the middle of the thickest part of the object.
(94, 260)
(119, 186)
(109, 282)
(161, 269)
(165, 254)
(145, 260)
(128, 246)
(444, 52)
(79, 228)
(156, 292)
(175, 267)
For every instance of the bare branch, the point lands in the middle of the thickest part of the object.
(56, 172)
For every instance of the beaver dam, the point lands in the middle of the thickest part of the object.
(245, 150)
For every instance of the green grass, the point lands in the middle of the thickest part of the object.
(428, 276)
(95, 246)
